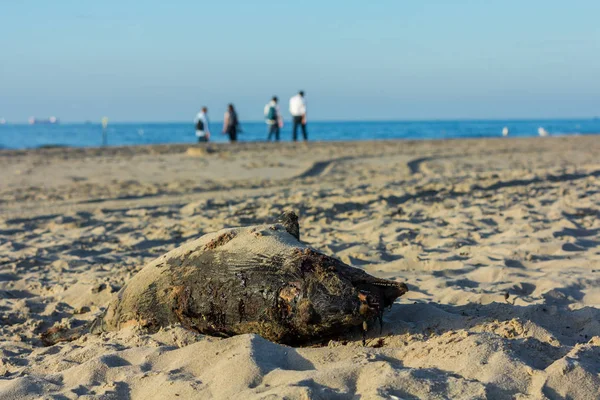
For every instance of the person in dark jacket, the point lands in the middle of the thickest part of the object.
(231, 125)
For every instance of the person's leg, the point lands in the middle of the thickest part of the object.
(304, 132)
(296, 122)
(271, 132)
(276, 132)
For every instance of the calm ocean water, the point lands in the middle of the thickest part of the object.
(29, 136)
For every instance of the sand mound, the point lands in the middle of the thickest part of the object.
(196, 152)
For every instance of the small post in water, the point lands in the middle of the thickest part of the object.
(104, 126)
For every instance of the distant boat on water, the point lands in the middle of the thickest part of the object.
(40, 121)
(2, 121)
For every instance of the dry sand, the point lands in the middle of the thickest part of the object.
(498, 240)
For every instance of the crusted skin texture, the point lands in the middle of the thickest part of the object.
(257, 279)
(219, 241)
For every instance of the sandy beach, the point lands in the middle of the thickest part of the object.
(498, 241)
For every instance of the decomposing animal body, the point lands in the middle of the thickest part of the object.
(256, 279)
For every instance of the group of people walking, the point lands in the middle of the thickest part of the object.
(231, 125)
(273, 119)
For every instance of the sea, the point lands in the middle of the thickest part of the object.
(21, 136)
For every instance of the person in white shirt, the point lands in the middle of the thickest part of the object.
(202, 128)
(298, 111)
(273, 118)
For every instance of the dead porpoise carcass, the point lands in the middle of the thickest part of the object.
(256, 279)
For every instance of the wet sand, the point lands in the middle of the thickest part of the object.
(497, 239)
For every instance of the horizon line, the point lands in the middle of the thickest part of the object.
(495, 119)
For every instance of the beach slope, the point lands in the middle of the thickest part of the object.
(497, 240)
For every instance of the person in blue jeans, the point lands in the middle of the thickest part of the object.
(201, 123)
(273, 118)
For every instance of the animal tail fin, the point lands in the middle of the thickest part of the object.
(58, 334)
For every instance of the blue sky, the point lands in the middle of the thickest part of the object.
(385, 59)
